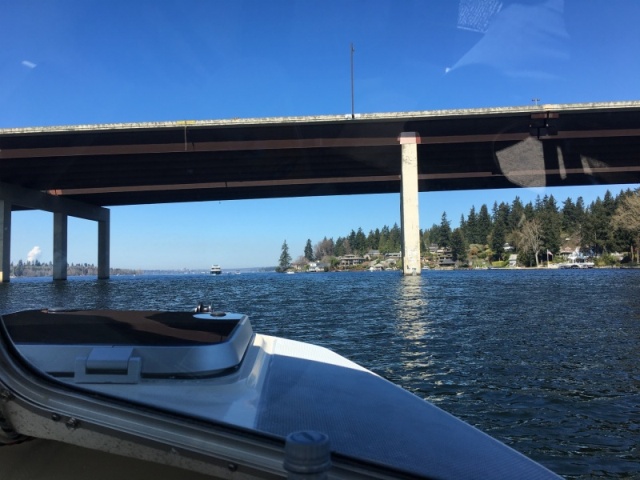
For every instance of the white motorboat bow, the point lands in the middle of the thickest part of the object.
(202, 391)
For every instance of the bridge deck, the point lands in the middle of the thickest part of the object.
(142, 163)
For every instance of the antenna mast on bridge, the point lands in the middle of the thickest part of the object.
(353, 114)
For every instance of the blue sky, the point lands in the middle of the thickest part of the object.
(79, 62)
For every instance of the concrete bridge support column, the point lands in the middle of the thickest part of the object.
(5, 240)
(104, 246)
(60, 225)
(410, 218)
(62, 209)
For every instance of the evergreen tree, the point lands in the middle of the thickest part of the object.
(471, 228)
(458, 245)
(424, 245)
(516, 213)
(373, 239)
(494, 212)
(529, 213)
(499, 232)
(285, 258)
(384, 243)
(433, 234)
(596, 231)
(341, 247)
(445, 231)
(395, 238)
(308, 251)
(359, 243)
(538, 204)
(580, 209)
(551, 224)
(484, 225)
(581, 216)
(569, 216)
(609, 204)
(352, 239)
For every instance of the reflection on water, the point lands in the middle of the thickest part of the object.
(411, 315)
(414, 326)
(546, 361)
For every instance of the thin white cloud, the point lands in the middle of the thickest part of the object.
(28, 64)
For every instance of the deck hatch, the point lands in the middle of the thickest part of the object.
(94, 346)
(108, 365)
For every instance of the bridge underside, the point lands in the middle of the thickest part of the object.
(247, 159)
(126, 164)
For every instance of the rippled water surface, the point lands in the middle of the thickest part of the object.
(546, 361)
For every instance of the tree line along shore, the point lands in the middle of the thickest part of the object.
(36, 268)
(607, 232)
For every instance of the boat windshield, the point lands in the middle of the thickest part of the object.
(155, 155)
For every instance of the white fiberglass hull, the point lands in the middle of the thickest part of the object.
(280, 386)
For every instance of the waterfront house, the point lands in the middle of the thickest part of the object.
(350, 260)
(446, 264)
(317, 266)
(371, 255)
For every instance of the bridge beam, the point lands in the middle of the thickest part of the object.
(13, 195)
(410, 217)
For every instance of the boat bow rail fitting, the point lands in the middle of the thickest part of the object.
(307, 455)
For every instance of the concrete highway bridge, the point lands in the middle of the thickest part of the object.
(81, 170)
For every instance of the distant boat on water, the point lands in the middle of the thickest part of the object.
(216, 270)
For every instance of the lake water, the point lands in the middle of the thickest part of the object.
(547, 361)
